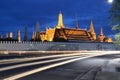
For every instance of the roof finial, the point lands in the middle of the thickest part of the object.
(101, 31)
(77, 27)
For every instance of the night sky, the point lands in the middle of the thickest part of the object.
(16, 14)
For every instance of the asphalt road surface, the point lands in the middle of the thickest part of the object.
(76, 66)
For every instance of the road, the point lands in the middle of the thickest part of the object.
(75, 66)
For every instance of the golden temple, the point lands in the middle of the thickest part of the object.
(60, 33)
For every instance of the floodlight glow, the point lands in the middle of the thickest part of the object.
(110, 1)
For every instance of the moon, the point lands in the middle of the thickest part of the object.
(110, 1)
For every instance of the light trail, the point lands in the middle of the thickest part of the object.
(36, 58)
(56, 55)
(91, 54)
(61, 55)
(17, 76)
(35, 63)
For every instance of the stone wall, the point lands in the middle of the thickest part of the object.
(43, 46)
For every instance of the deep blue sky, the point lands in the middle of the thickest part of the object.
(15, 14)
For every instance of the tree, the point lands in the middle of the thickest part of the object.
(115, 18)
(117, 36)
(115, 12)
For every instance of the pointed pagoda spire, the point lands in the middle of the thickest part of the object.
(101, 31)
(37, 31)
(60, 21)
(33, 36)
(11, 35)
(101, 36)
(91, 27)
(37, 27)
(18, 36)
(77, 27)
(92, 30)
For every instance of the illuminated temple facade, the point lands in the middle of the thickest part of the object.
(61, 33)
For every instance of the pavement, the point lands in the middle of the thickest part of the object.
(110, 71)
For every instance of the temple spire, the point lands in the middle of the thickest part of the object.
(77, 27)
(101, 36)
(101, 31)
(11, 35)
(91, 27)
(60, 21)
(33, 36)
(92, 30)
(18, 36)
(38, 31)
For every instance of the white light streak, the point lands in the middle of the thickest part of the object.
(35, 63)
(36, 58)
